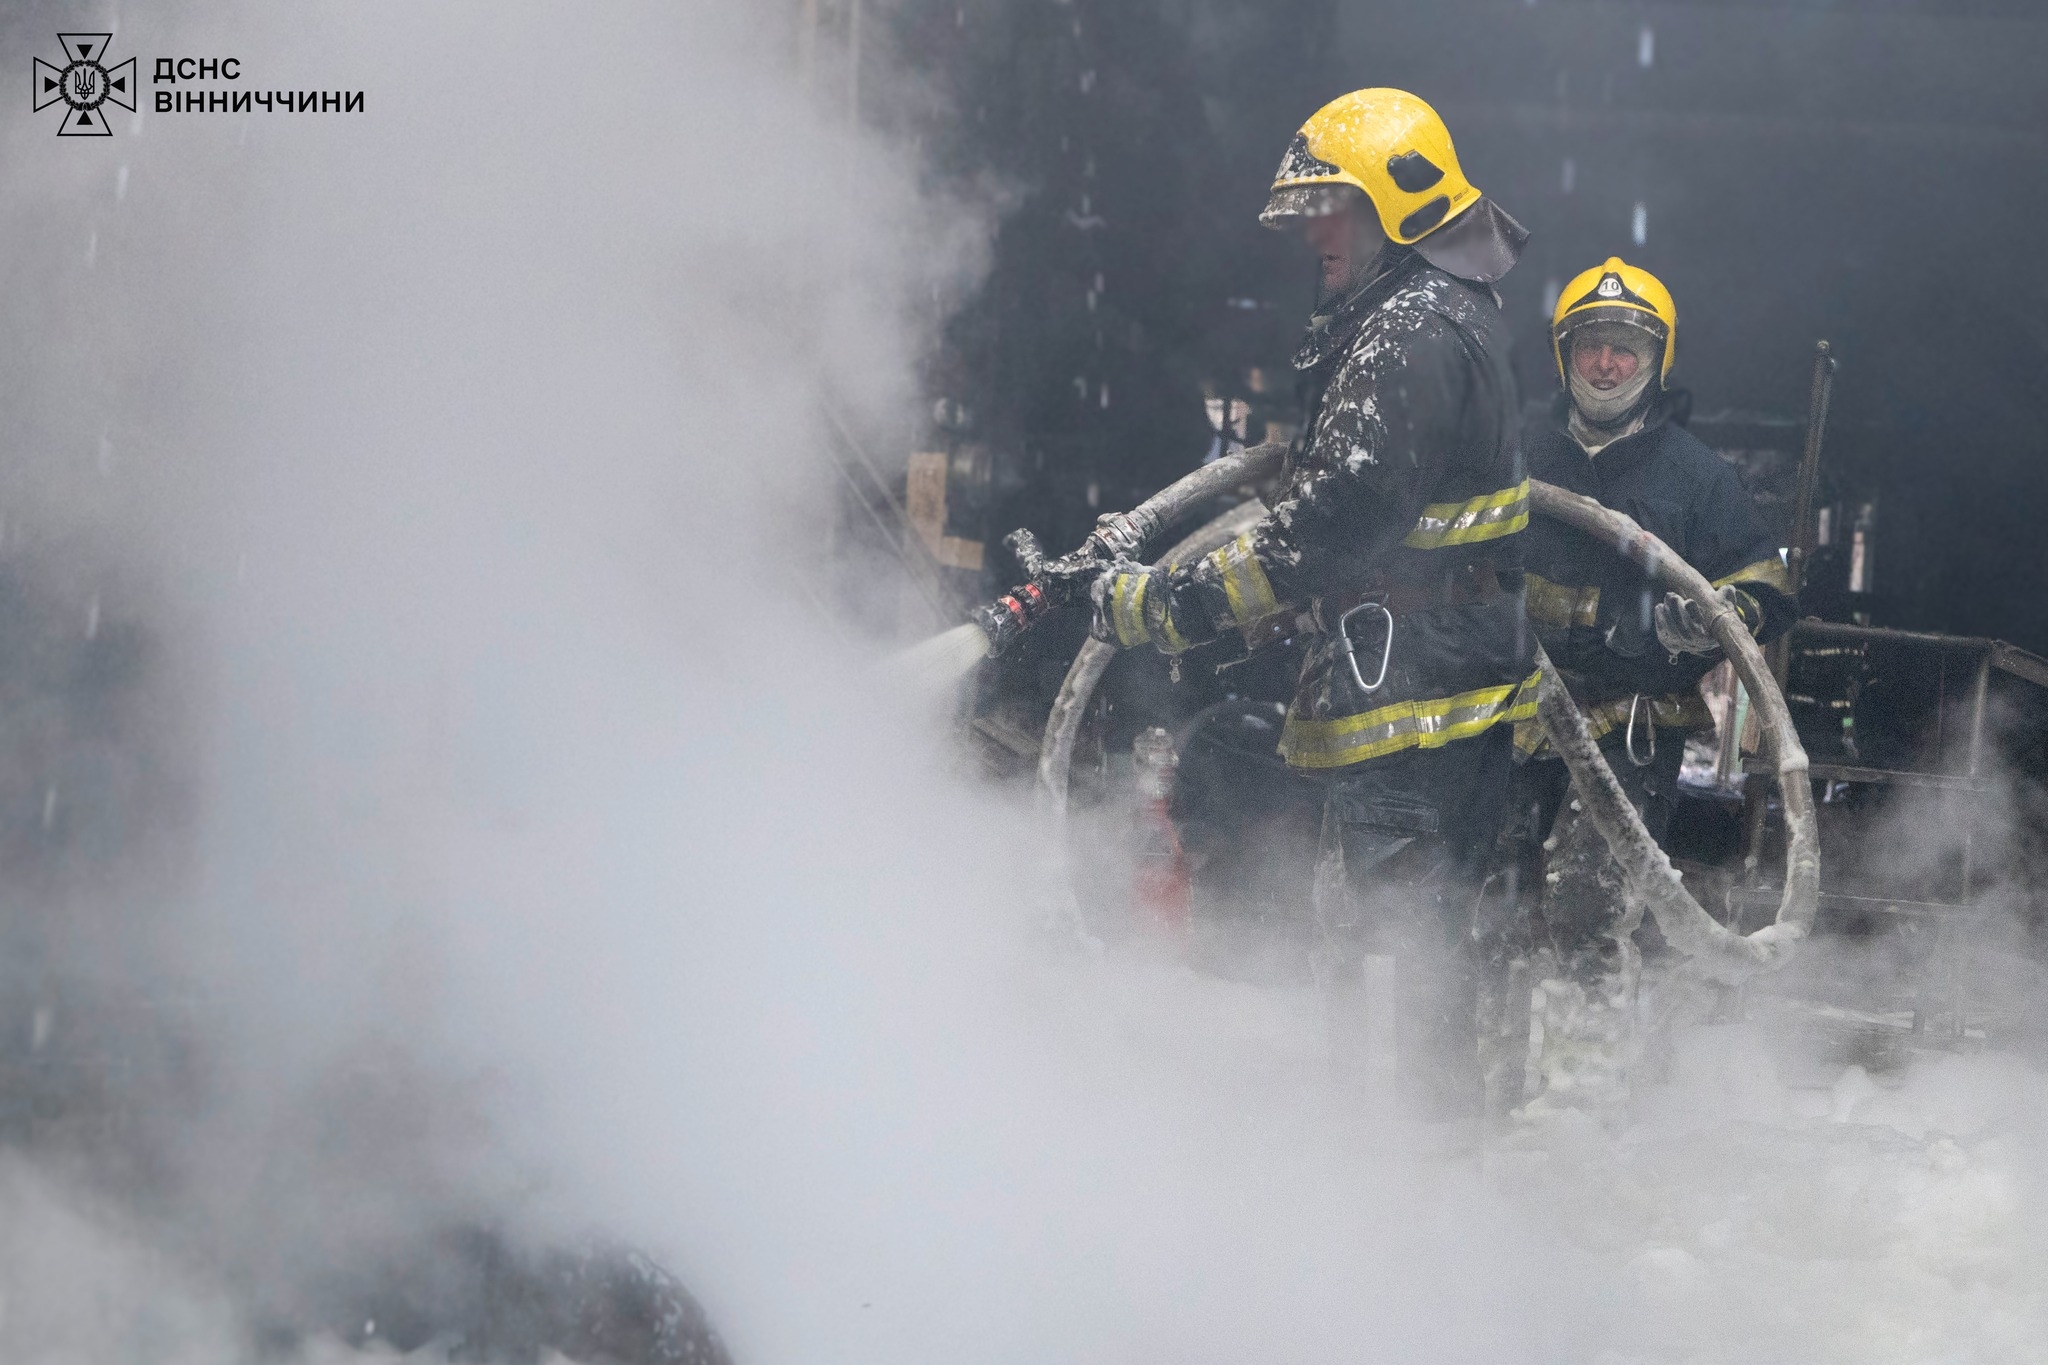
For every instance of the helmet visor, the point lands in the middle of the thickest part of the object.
(1628, 329)
(1290, 204)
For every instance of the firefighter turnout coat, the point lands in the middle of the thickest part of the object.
(1591, 607)
(1406, 489)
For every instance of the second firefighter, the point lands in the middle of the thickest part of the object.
(1631, 657)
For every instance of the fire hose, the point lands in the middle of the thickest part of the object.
(1053, 583)
(1718, 951)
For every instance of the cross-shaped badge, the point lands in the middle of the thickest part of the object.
(85, 84)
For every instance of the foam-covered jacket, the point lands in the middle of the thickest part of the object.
(1406, 485)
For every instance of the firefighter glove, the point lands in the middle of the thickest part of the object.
(1119, 594)
(1682, 626)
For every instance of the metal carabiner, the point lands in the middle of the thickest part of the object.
(1628, 734)
(1351, 650)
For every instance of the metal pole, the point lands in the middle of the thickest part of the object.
(1728, 761)
(1801, 548)
(1837, 631)
(1980, 696)
(1755, 798)
(1809, 463)
(1796, 555)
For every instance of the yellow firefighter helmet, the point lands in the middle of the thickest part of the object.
(1388, 144)
(1616, 291)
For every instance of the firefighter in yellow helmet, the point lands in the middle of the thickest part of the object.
(1631, 656)
(1396, 539)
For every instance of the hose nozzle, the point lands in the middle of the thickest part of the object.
(1117, 536)
(1051, 583)
(1006, 619)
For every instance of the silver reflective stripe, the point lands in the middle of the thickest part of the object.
(1487, 517)
(1426, 724)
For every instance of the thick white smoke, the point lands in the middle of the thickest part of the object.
(463, 454)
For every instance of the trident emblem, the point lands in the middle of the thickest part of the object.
(84, 83)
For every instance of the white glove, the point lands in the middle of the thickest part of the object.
(1682, 623)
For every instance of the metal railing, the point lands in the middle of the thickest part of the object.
(1992, 655)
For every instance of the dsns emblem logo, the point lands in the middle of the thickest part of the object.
(85, 84)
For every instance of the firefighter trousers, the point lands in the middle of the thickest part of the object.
(1402, 909)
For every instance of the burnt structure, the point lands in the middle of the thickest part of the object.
(1792, 170)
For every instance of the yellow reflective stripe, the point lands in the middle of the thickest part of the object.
(1771, 572)
(1681, 711)
(1127, 608)
(1428, 724)
(1171, 640)
(1524, 705)
(1606, 718)
(1553, 604)
(1487, 517)
(1673, 711)
(1245, 584)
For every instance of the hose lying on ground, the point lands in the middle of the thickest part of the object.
(1719, 952)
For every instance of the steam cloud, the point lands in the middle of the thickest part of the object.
(538, 854)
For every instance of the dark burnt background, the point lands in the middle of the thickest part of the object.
(1867, 171)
